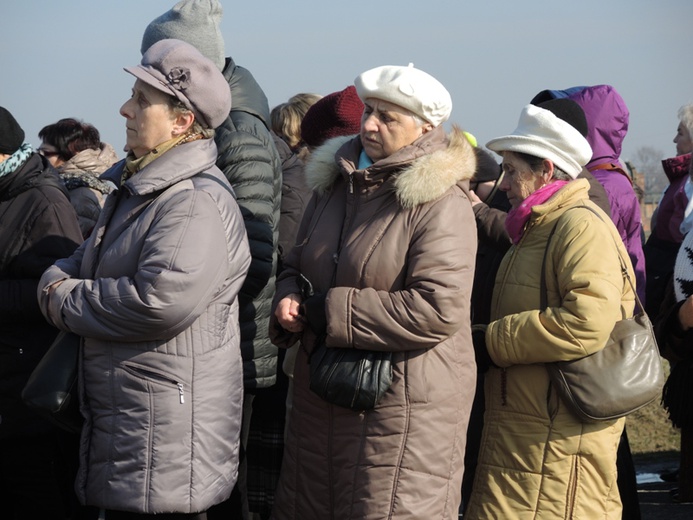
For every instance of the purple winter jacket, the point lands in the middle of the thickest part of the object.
(674, 201)
(607, 121)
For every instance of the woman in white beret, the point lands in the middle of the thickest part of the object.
(388, 243)
(153, 292)
(537, 459)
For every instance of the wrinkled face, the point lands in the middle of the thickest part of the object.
(519, 181)
(683, 141)
(148, 119)
(386, 127)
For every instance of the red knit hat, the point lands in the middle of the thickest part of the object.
(334, 115)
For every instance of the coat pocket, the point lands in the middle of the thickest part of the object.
(163, 383)
(157, 407)
(416, 377)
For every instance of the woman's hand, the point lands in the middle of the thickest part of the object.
(53, 287)
(686, 313)
(288, 313)
(474, 198)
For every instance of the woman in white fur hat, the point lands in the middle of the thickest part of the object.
(388, 243)
(537, 460)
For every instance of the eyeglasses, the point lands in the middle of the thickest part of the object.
(47, 153)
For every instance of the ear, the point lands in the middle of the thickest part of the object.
(427, 127)
(547, 170)
(182, 123)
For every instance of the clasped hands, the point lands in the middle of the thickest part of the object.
(293, 313)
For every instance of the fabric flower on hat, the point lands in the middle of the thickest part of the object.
(179, 78)
(409, 88)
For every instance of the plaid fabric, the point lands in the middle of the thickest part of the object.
(266, 446)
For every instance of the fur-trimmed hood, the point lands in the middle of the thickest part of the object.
(425, 170)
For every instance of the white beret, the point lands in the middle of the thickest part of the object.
(542, 134)
(409, 88)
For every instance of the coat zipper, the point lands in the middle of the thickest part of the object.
(503, 371)
(572, 489)
(158, 376)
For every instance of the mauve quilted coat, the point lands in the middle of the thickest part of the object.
(153, 292)
(403, 283)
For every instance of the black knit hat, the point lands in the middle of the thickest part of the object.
(11, 134)
(487, 169)
(567, 110)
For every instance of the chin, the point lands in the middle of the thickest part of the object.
(374, 153)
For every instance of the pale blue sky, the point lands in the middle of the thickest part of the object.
(65, 58)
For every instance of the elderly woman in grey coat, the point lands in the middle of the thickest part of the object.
(153, 292)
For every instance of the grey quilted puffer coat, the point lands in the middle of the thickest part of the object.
(153, 292)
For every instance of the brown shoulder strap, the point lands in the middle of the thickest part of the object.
(611, 167)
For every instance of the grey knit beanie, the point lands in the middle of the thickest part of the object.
(193, 21)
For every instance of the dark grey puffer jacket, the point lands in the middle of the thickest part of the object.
(250, 162)
(153, 292)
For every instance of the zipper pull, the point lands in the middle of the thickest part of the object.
(351, 183)
(181, 394)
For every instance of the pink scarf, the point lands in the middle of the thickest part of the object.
(517, 217)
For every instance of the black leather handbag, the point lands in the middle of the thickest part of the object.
(51, 390)
(351, 378)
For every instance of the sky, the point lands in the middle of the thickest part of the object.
(65, 58)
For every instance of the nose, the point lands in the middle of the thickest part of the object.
(369, 124)
(124, 109)
(504, 185)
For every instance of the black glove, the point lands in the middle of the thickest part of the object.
(313, 309)
(483, 360)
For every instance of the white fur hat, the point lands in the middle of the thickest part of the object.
(409, 88)
(542, 134)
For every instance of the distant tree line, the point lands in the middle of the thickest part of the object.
(646, 167)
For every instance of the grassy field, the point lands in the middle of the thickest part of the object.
(649, 429)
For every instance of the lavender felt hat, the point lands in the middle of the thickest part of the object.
(178, 69)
